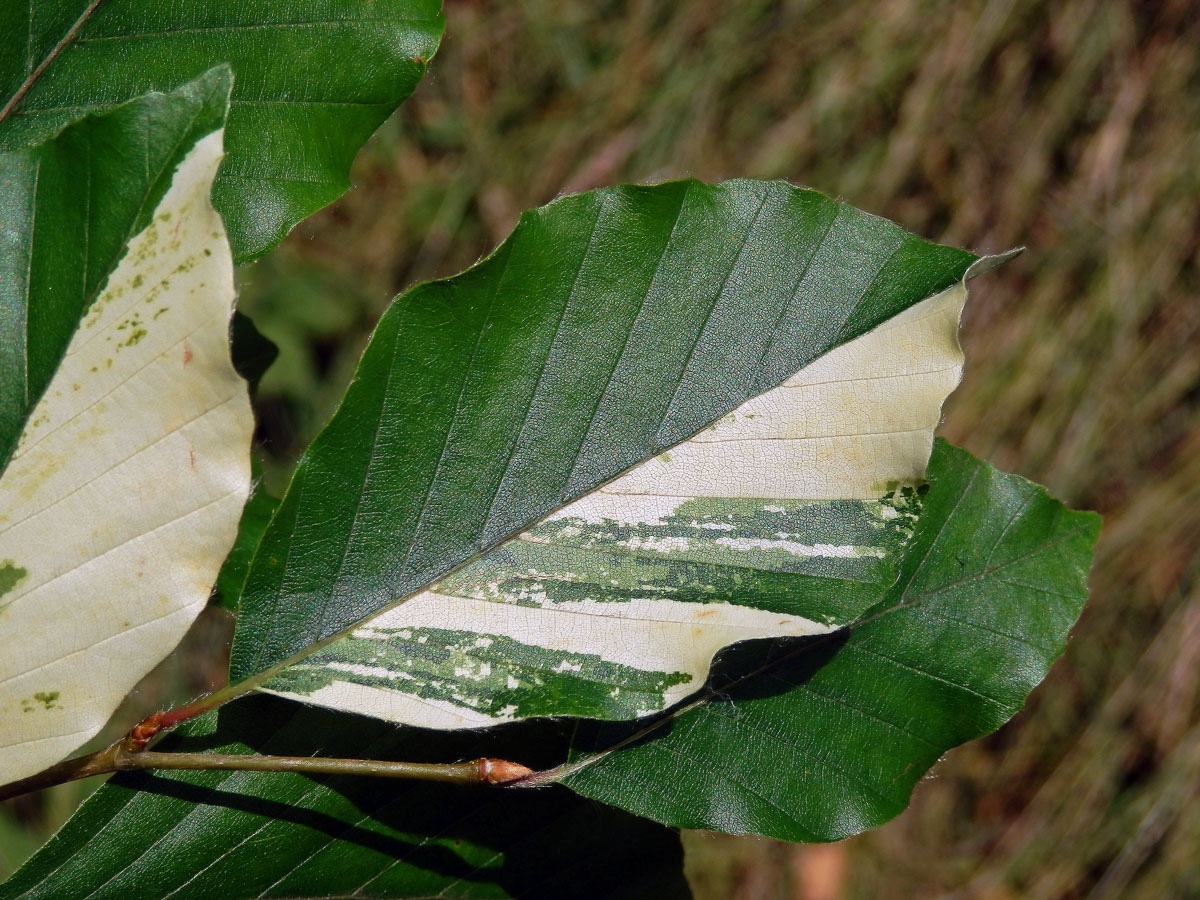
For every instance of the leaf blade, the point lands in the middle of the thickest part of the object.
(56, 255)
(293, 129)
(786, 517)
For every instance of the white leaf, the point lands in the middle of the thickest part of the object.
(786, 517)
(124, 494)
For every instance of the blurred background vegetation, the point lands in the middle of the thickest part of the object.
(1071, 127)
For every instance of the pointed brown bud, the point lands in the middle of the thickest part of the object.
(501, 771)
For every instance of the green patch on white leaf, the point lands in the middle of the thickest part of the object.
(10, 576)
(124, 493)
(787, 517)
(457, 679)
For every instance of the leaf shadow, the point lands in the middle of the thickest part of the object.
(750, 670)
(545, 843)
(542, 843)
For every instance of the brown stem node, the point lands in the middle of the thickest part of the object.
(501, 771)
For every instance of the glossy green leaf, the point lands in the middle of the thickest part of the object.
(314, 79)
(69, 208)
(819, 739)
(236, 836)
(609, 327)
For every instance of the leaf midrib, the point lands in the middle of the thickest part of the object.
(258, 26)
(58, 48)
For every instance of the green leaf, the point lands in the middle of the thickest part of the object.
(314, 79)
(235, 836)
(123, 494)
(820, 739)
(609, 327)
(61, 242)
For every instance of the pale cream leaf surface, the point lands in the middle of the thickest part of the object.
(124, 494)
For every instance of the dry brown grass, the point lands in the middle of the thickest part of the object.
(1072, 127)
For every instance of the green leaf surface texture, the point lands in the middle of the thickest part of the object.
(609, 327)
(821, 738)
(70, 207)
(237, 836)
(313, 80)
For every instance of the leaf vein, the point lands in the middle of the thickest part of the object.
(512, 451)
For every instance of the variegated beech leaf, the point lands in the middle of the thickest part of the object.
(787, 516)
(609, 327)
(784, 515)
(123, 495)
